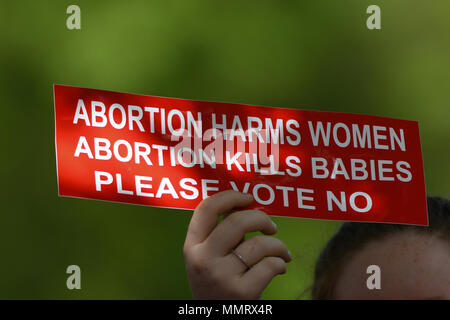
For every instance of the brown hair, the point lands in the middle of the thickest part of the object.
(352, 236)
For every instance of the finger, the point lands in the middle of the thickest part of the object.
(205, 216)
(231, 231)
(227, 215)
(259, 276)
(259, 247)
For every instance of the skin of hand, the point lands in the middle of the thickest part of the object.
(214, 271)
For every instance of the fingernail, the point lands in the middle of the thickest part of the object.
(248, 195)
(290, 255)
(274, 225)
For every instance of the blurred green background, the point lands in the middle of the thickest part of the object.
(315, 54)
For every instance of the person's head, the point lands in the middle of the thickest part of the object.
(414, 261)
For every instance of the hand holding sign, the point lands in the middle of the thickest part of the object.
(214, 270)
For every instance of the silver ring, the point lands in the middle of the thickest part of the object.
(240, 258)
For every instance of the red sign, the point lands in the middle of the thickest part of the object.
(173, 153)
